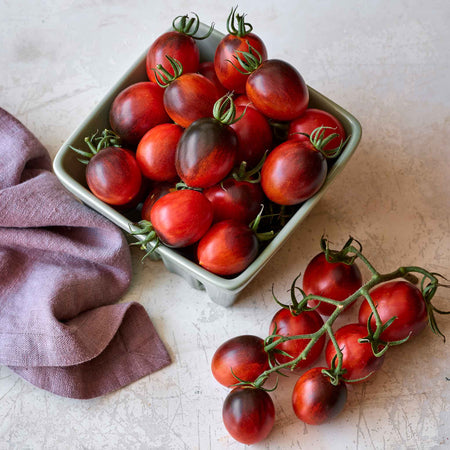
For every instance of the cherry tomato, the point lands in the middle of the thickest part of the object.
(315, 399)
(177, 45)
(399, 299)
(285, 323)
(238, 39)
(242, 355)
(238, 200)
(206, 68)
(206, 153)
(332, 280)
(293, 172)
(314, 118)
(254, 135)
(136, 109)
(358, 358)
(277, 90)
(227, 248)
(248, 414)
(181, 218)
(113, 176)
(155, 152)
(156, 192)
(242, 100)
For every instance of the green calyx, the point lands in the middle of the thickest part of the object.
(96, 143)
(252, 175)
(345, 255)
(225, 110)
(145, 229)
(163, 77)
(248, 61)
(189, 26)
(236, 24)
(319, 141)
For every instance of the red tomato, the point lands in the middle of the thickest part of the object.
(113, 176)
(358, 358)
(287, 324)
(277, 90)
(238, 39)
(177, 45)
(293, 172)
(206, 153)
(181, 218)
(332, 280)
(242, 100)
(206, 68)
(242, 355)
(238, 200)
(155, 152)
(136, 109)
(314, 118)
(254, 135)
(155, 194)
(400, 299)
(248, 414)
(227, 248)
(315, 400)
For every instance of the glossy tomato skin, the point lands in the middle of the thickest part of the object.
(177, 45)
(314, 118)
(332, 280)
(248, 414)
(401, 299)
(287, 324)
(278, 90)
(206, 68)
(155, 193)
(315, 400)
(242, 355)
(238, 200)
(189, 98)
(254, 136)
(181, 218)
(228, 75)
(113, 176)
(358, 358)
(136, 109)
(206, 153)
(156, 151)
(227, 248)
(293, 172)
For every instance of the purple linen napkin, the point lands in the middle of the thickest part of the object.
(62, 268)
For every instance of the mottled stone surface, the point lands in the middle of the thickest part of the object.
(386, 62)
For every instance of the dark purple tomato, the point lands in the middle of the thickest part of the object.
(335, 280)
(227, 248)
(399, 299)
(243, 356)
(358, 358)
(293, 172)
(227, 74)
(113, 176)
(156, 151)
(315, 399)
(136, 109)
(254, 135)
(278, 90)
(312, 119)
(206, 153)
(206, 68)
(248, 414)
(177, 45)
(181, 218)
(156, 192)
(284, 323)
(238, 200)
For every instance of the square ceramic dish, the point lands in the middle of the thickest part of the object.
(223, 291)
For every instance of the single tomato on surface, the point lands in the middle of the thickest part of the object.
(285, 323)
(315, 399)
(243, 356)
(358, 358)
(399, 299)
(334, 280)
(248, 414)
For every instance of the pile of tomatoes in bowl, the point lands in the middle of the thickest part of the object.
(215, 156)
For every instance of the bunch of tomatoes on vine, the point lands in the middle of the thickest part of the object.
(214, 156)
